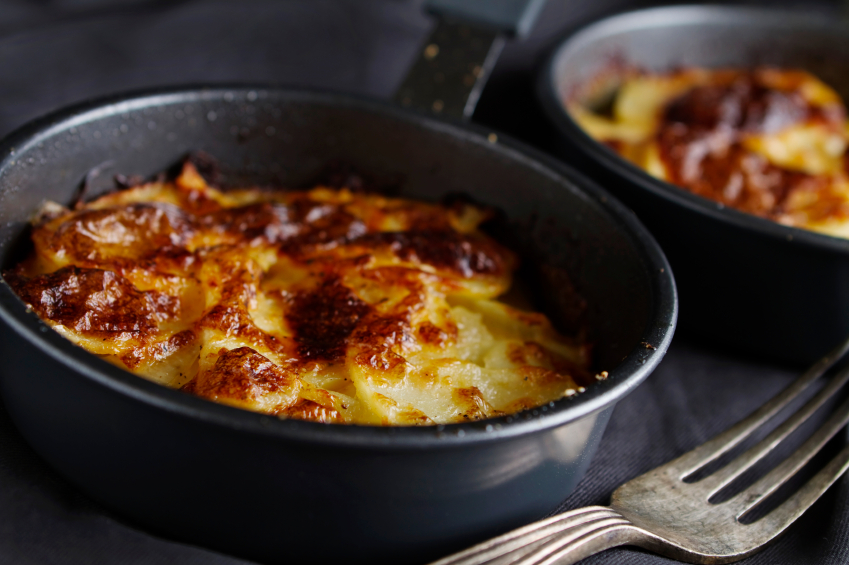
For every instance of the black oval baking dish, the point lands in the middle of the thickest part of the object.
(291, 491)
(745, 282)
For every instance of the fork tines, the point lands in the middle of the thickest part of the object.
(662, 512)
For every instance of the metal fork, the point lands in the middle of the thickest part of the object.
(660, 512)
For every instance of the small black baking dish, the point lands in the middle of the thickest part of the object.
(292, 491)
(745, 282)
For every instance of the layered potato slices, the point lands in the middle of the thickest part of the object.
(325, 305)
(770, 142)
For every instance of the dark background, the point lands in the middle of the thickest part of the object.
(57, 52)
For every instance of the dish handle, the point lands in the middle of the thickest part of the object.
(458, 56)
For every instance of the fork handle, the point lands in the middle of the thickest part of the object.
(569, 549)
(561, 540)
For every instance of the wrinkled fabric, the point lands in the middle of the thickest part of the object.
(57, 52)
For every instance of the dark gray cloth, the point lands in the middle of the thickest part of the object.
(55, 53)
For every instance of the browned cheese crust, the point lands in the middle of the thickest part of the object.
(770, 142)
(324, 305)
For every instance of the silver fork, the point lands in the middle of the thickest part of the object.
(660, 512)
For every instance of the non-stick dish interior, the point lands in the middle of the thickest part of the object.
(408, 490)
(745, 282)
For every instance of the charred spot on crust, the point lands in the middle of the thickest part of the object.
(385, 332)
(241, 374)
(377, 338)
(734, 176)
(766, 141)
(701, 142)
(94, 301)
(464, 254)
(323, 318)
(321, 224)
(743, 105)
(131, 231)
(380, 359)
(264, 219)
(234, 321)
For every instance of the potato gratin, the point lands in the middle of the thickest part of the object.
(323, 305)
(768, 142)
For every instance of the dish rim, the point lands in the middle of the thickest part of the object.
(636, 366)
(672, 16)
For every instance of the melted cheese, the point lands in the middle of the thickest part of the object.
(323, 305)
(769, 142)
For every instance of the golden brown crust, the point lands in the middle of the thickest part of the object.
(444, 249)
(769, 142)
(312, 411)
(131, 232)
(243, 375)
(158, 351)
(95, 302)
(321, 305)
(702, 142)
(323, 317)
